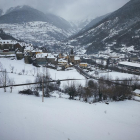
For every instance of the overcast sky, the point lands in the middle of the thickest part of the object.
(69, 9)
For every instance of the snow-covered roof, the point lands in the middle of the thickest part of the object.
(84, 63)
(8, 41)
(62, 60)
(130, 64)
(101, 56)
(122, 56)
(65, 55)
(29, 48)
(41, 55)
(86, 58)
(50, 56)
(76, 58)
(22, 43)
(37, 50)
(55, 55)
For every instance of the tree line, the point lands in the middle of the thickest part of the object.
(103, 89)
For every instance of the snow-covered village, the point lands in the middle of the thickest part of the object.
(66, 79)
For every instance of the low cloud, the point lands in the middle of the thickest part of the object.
(69, 9)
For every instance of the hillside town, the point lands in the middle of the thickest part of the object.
(40, 56)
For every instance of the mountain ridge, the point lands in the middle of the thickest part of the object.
(119, 28)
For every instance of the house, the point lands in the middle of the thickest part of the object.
(61, 55)
(34, 52)
(18, 47)
(62, 62)
(83, 65)
(41, 59)
(6, 50)
(28, 49)
(76, 60)
(51, 58)
(86, 60)
(7, 44)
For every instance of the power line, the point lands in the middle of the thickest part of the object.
(37, 83)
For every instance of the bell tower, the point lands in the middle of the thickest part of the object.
(71, 56)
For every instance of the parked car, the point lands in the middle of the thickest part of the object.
(6, 50)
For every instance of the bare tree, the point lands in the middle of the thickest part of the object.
(45, 77)
(88, 93)
(11, 82)
(23, 71)
(4, 79)
(135, 82)
(46, 83)
(12, 68)
(80, 91)
(71, 89)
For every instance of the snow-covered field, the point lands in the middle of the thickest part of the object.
(31, 72)
(71, 74)
(115, 75)
(24, 117)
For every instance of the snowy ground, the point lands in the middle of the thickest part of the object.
(31, 72)
(71, 74)
(114, 75)
(24, 117)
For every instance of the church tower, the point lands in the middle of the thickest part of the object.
(72, 56)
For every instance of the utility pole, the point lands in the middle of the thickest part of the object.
(37, 71)
(5, 81)
(43, 89)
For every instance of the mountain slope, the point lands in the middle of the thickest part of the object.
(93, 22)
(5, 36)
(31, 25)
(25, 13)
(121, 28)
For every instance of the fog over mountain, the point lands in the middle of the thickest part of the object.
(69, 9)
